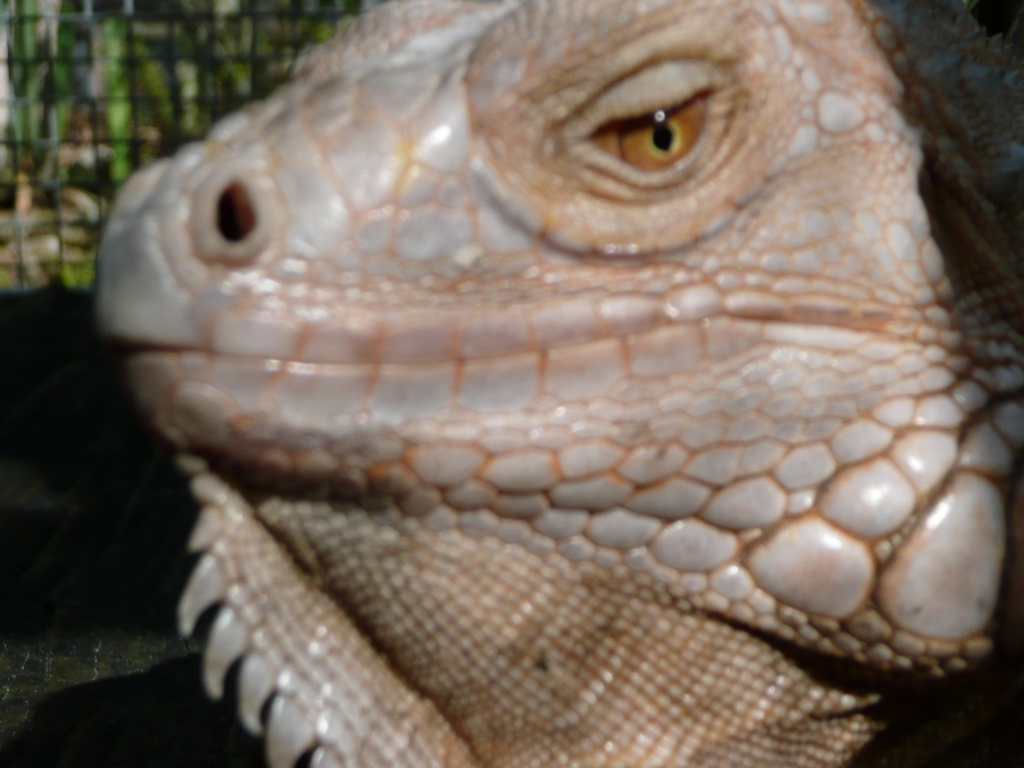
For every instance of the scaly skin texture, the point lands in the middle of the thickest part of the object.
(520, 449)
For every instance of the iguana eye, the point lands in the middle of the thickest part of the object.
(656, 140)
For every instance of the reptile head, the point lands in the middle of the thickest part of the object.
(568, 374)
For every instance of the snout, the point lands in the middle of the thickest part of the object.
(138, 298)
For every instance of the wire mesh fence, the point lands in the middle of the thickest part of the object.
(92, 89)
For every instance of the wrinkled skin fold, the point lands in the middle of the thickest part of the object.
(579, 383)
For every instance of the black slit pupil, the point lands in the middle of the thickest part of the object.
(662, 138)
(235, 215)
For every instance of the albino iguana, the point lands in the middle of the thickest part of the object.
(596, 384)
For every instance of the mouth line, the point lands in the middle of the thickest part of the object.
(812, 331)
(419, 336)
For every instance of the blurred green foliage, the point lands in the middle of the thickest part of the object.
(95, 91)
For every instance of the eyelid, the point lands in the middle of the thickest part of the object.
(657, 86)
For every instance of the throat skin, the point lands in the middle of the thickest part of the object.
(523, 442)
(576, 659)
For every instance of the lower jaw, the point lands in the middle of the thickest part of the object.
(194, 395)
(369, 466)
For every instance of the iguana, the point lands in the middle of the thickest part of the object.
(596, 384)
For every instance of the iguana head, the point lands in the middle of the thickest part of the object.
(605, 363)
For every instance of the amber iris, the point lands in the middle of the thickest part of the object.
(656, 140)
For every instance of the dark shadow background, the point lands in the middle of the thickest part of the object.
(93, 525)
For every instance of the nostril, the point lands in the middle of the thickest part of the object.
(236, 217)
(232, 217)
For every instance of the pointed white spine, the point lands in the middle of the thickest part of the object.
(289, 734)
(205, 531)
(205, 587)
(255, 684)
(227, 641)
